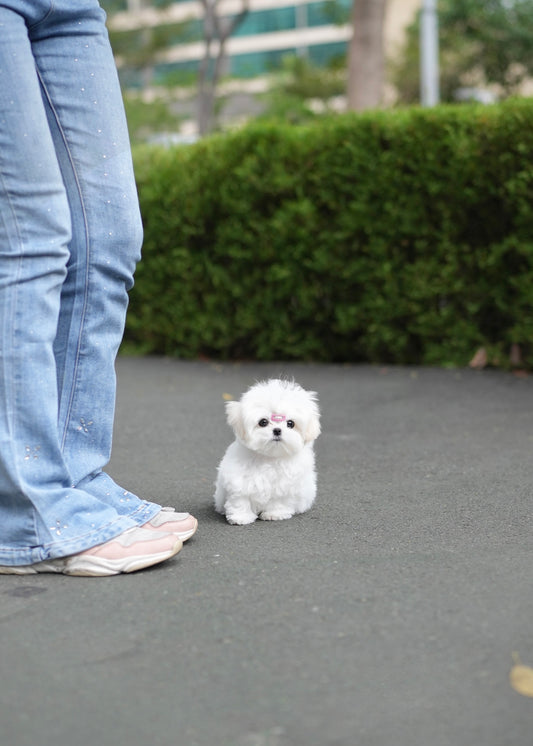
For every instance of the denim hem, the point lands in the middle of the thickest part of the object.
(31, 555)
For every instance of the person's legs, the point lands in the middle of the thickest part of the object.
(43, 512)
(86, 117)
(92, 143)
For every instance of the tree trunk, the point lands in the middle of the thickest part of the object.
(216, 29)
(366, 55)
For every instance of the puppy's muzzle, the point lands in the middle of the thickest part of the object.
(276, 432)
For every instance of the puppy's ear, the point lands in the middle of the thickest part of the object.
(234, 418)
(312, 430)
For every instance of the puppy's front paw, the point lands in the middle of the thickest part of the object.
(241, 519)
(276, 515)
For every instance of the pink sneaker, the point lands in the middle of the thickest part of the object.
(182, 525)
(133, 550)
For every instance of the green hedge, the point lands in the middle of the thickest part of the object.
(401, 236)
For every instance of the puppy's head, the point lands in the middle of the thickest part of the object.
(275, 418)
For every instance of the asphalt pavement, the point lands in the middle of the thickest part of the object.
(388, 615)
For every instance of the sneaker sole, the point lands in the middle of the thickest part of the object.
(89, 566)
(56, 566)
(92, 567)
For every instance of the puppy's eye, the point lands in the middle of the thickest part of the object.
(263, 423)
(290, 424)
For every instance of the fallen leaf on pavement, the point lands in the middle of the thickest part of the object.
(521, 678)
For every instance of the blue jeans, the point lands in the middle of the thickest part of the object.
(70, 236)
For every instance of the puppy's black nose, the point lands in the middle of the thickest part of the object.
(276, 432)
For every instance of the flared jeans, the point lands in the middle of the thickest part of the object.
(70, 237)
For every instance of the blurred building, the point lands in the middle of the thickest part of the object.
(271, 30)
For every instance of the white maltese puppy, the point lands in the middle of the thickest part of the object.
(268, 472)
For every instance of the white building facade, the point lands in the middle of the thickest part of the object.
(271, 30)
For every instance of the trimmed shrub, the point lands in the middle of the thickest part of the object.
(399, 236)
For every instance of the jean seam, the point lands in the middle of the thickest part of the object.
(11, 422)
(83, 314)
(11, 378)
(44, 18)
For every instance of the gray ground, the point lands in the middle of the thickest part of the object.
(386, 616)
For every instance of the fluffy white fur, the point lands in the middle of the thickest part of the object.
(268, 472)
